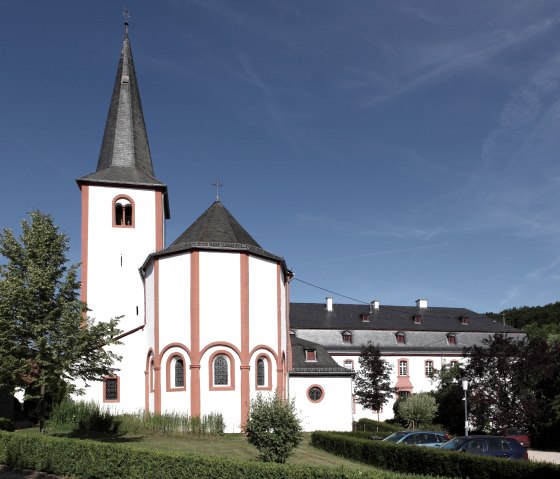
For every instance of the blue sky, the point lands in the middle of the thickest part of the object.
(388, 150)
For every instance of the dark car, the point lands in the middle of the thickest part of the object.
(520, 436)
(418, 438)
(495, 446)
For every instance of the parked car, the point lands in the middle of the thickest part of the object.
(418, 438)
(520, 436)
(495, 446)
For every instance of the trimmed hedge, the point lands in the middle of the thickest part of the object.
(7, 424)
(95, 460)
(430, 461)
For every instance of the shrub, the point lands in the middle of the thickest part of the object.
(88, 460)
(430, 461)
(6, 424)
(380, 428)
(273, 428)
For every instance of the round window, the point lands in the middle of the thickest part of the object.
(315, 393)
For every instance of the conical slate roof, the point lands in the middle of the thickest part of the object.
(216, 229)
(216, 225)
(125, 153)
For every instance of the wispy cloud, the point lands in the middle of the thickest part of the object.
(374, 253)
(441, 60)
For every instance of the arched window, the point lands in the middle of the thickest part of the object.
(152, 374)
(123, 212)
(221, 372)
(175, 373)
(261, 379)
(179, 372)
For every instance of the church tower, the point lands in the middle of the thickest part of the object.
(124, 208)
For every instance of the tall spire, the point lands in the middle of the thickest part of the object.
(125, 141)
(125, 153)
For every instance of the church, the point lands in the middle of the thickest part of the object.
(207, 318)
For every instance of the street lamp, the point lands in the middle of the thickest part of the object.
(465, 383)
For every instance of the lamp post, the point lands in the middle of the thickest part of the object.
(465, 383)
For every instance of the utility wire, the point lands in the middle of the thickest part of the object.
(390, 308)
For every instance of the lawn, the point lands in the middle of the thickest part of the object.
(229, 445)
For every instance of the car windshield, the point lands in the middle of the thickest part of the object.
(454, 443)
(395, 437)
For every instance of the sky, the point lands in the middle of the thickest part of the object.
(388, 150)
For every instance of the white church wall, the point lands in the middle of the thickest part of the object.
(332, 412)
(175, 398)
(220, 298)
(116, 253)
(223, 399)
(174, 300)
(114, 286)
(263, 303)
(150, 291)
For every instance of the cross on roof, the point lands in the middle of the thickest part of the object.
(217, 184)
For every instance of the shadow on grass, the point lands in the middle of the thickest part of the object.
(98, 436)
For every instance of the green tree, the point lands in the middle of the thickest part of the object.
(372, 384)
(449, 399)
(418, 408)
(273, 428)
(512, 383)
(45, 336)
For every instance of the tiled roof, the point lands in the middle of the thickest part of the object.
(125, 153)
(325, 364)
(391, 318)
(217, 229)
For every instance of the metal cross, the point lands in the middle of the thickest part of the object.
(126, 14)
(217, 185)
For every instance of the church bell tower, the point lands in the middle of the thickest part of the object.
(124, 208)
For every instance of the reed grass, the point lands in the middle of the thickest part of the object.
(90, 417)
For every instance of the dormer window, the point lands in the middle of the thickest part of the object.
(417, 319)
(123, 212)
(310, 355)
(400, 337)
(347, 337)
(365, 317)
(464, 320)
(451, 339)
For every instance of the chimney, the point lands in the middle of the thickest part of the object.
(329, 303)
(422, 303)
(374, 306)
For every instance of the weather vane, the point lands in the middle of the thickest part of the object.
(217, 185)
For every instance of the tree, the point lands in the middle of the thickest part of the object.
(273, 428)
(505, 383)
(45, 335)
(418, 408)
(449, 399)
(372, 385)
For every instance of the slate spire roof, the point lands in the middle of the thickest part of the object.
(125, 153)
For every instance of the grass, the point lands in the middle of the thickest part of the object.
(232, 446)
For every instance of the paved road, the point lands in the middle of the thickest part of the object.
(544, 456)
